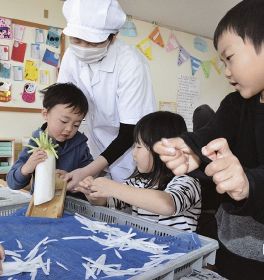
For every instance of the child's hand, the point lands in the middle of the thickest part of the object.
(61, 173)
(73, 178)
(177, 155)
(102, 187)
(37, 157)
(226, 170)
(2, 256)
(87, 187)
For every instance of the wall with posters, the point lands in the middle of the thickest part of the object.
(29, 60)
(170, 80)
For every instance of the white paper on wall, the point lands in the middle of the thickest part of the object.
(187, 98)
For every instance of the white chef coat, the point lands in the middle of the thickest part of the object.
(118, 90)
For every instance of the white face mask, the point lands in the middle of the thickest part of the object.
(89, 55)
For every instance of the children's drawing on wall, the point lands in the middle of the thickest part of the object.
(53, 37)
(5, 28)
(31, 71)
(39, 36)
(35, 51)
(18, 31)
(44, 77)
(18, 73)
(5, 70)
(51, 58)
(18, 51)
(4, 52)
(5, 93)
(29, 52)
(29, 93)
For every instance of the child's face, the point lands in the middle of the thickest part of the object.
(63, 122)
(244, 68)
(143, 158)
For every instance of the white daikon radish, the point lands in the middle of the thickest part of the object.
(44, 187)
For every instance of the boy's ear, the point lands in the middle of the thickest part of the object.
(44, 113)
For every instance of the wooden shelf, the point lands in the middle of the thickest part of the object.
(9, 157)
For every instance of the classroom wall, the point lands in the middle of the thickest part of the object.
(163, 67)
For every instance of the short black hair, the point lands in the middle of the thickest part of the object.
(65, 93)
(150, 129)
(201, 116)
(246, 19)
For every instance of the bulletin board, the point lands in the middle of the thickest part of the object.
(30, 55)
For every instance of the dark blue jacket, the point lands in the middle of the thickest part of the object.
(73, 153)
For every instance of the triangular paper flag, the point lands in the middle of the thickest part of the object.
(217, 64)
(195, 62)
(145, 47)
(206, 65)
(172, 43)
(200, 44)
(155, 36)
(129, 29)
(183, 56)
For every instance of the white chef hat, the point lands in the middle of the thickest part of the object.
(93, 20)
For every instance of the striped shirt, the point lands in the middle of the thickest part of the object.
(186, 194)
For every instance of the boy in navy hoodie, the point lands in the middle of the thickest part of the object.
(64, 107)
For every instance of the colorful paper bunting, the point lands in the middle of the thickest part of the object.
(200, 44)
(206, 66)
(183, 56)
(145, 47)
(129, 29)
(195, 62)
(155, 36)
(172, 43)
(217, 64)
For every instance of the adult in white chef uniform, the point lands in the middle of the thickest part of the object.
(115, 79)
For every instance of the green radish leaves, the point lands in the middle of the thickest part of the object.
(45, 143)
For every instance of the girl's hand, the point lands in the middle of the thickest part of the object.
(177, 155)
(2, 257)
(102, 187)
(85, 187)
(226, 170)
(37, 157)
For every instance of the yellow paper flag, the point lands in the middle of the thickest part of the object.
(145, 47)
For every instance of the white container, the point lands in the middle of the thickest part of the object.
(44, 187)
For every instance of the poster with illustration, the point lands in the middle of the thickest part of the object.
(31, 71)
(39, 36)
(4, 52)
(5, 28)
(51, 58)
(29, 93)
(18, 51)
(5, 70)
(5, 93)
(29, 60)
(53, 37)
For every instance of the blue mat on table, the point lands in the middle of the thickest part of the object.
(29, 231)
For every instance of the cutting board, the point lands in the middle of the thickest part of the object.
(53, 208)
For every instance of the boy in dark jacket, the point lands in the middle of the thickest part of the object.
(233, 140)
(65, 106)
